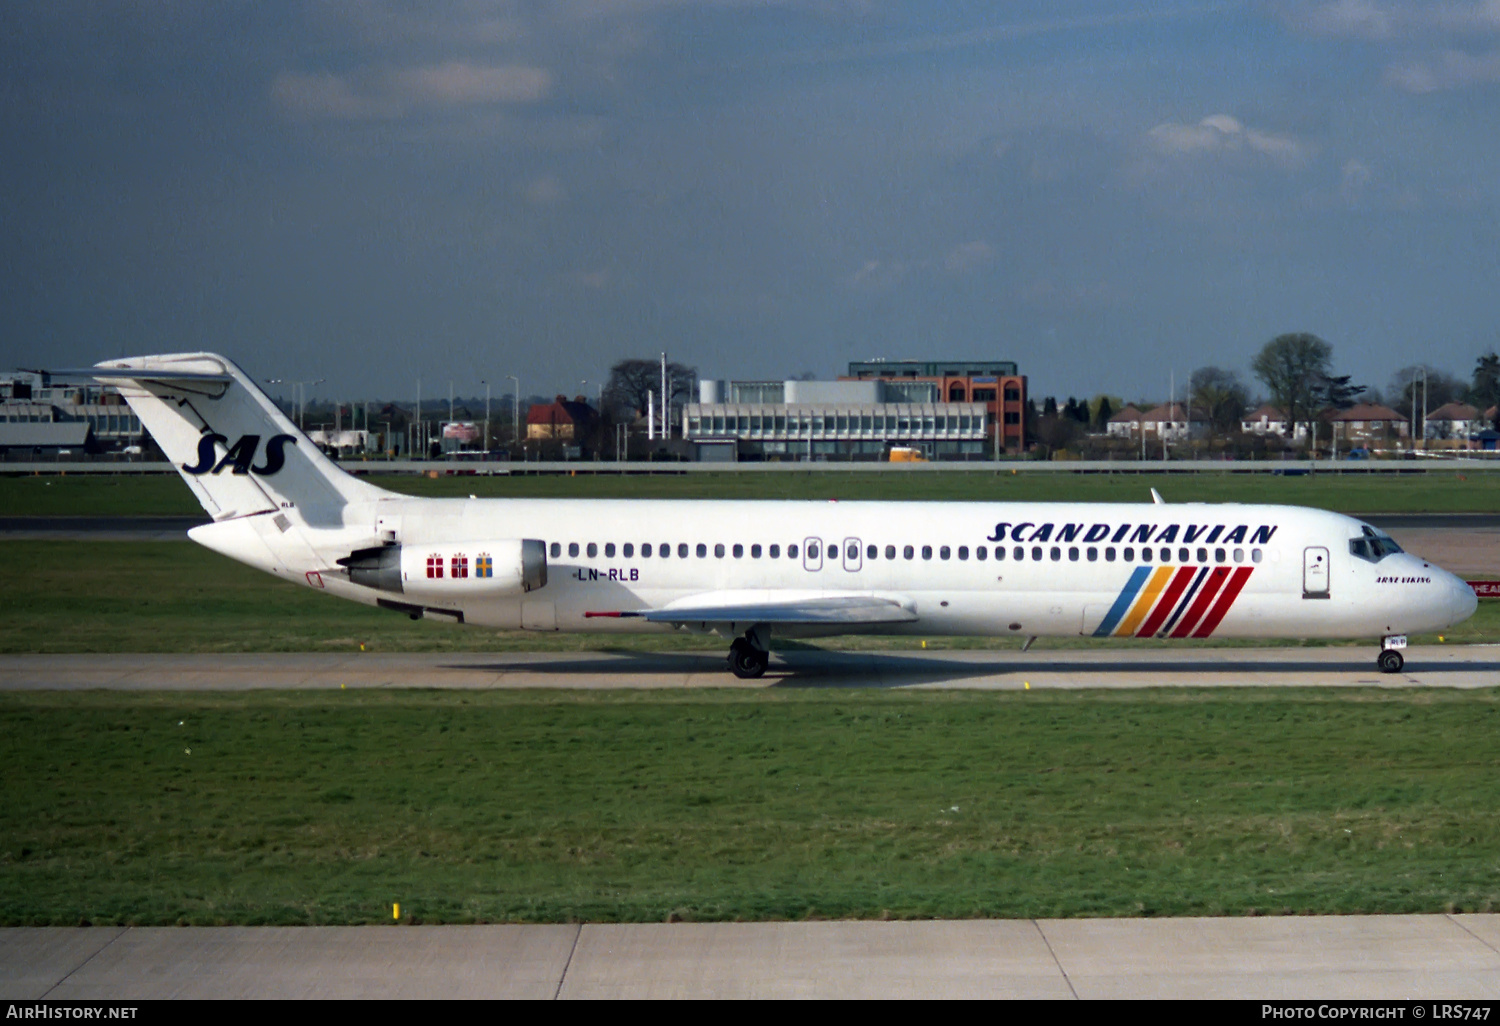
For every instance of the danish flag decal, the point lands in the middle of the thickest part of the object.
(240, 456)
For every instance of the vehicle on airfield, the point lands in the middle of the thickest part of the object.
(753, 570)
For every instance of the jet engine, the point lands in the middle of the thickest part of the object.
(452, 569)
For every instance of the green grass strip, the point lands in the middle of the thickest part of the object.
(291, 808)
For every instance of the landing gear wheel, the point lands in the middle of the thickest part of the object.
(1390, 661)
(747, 661)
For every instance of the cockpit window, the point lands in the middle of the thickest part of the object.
(1372, 545)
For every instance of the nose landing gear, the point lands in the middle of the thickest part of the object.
(1390, 659)
(747, 660)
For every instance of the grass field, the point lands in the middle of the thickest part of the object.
(516, 806)
(1435, 491)
(63, 596)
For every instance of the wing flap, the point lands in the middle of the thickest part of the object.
(826, 610)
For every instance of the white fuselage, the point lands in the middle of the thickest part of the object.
(1048, 569)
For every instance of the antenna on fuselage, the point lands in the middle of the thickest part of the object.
(1156, 498)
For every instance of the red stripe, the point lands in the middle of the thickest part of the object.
(1201, 603)
(1168, 602)
(1231, 592)
(590, 616)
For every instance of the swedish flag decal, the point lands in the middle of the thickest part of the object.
(484, 566)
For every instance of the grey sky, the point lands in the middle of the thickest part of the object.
(372, 192)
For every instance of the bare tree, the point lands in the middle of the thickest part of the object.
(632, 381)
(1219, 396)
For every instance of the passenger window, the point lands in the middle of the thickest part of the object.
(1255, 555)
(1056, 553)
(739, 551)
(1145, 554)
(981, 553)
(1093, 554)
(572, 548)
(1020, 553)
(926, 551)
(872, 551)
(682, 550)
(1129, 554)
(890, 552)
(1218, 555)
(702, 550)
(1072, 553)
(593, 550)
(719, 551)
(1166, 555)
(963, 552)
(755, 552)
(908, 552)
(1036, 553)
(556, 549)
(1109, 554)
(945, 552)
(812, 551)
(791, 552)
(646, 550)
(851, 553)
(775, 551)
(609, 550)
(627, 550)
(1239, 555)
(1184, 554)
(1203, 556)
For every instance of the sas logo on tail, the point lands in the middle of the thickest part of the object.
(240, 456)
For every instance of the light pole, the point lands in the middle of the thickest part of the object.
(515, 417)
(298, 395)
(1423, 372)
(486, 385)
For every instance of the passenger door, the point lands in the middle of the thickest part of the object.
(1315, 572)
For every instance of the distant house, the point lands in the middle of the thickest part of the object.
(1454, 420)
(1125, 424)
(1169, 420)
(1367, 423)
(562, 419)
(1269, 420)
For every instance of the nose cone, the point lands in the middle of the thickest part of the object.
(1462, 601)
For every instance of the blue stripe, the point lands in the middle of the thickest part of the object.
(1122, 604)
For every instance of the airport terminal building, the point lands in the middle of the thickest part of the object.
(830, 420)
(948, 411)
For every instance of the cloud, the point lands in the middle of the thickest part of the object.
(876, 275)
(457, 82)
(1223, 134)
(1453, 69)
(396, 93)
(1362, 19)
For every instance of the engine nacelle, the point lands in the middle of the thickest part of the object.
(452, 570)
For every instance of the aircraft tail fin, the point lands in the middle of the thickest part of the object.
(235, 449)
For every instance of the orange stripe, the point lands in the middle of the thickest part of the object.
(1143, 604)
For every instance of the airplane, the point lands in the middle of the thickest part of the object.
(749, 571)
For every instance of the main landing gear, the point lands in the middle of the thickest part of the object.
(747, 660)
(1390, 659)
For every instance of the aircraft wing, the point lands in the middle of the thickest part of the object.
(831, 610)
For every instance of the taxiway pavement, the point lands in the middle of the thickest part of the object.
(1452, 666)
(1439, 957)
